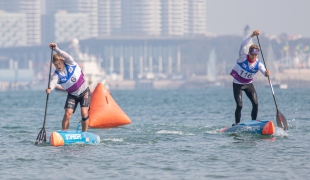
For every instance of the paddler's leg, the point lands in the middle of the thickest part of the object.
(85, 117)
(85, 126)
(84, 103)
(70, 107)
(238, 100)
(66, 118)
(252, 95)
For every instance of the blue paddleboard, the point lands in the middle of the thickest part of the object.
(61, 138)
(263, 127)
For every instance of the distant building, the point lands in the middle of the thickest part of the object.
(196, 22)
(32, 11)
(152, 17)
(174, 18)
(110, 18)
(63, 27)
(13, 29)
(88, 7)
(184, 17)
(147, 17)
(71, 25)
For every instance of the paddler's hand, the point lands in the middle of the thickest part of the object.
(267, 73)
(48, 90)
(52, 45)
(255, 33)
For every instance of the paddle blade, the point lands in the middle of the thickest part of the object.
(41, 137)
(281, 121)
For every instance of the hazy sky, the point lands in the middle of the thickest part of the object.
(274, 17)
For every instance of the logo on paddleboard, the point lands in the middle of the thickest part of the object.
(73, 136)
(250, 128)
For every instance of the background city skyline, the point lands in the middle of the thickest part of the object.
(135, 40)
(33, 22)
(43, 21)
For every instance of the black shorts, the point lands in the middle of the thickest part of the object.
(83, 99)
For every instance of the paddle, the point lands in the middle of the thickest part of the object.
(42, 134)
(281, 120)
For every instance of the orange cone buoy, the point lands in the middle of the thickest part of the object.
(104, 112)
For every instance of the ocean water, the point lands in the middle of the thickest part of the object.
(174, 134)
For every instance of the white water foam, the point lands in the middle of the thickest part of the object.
(114, 139)
(170, 132)
(279, 132)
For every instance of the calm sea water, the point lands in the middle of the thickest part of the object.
(173, 135)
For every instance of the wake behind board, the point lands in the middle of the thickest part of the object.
(61, 138)
(263, 127)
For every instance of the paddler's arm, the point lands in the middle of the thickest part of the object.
(53, 83)
(263, 70)
(243, 48)
(68, 59)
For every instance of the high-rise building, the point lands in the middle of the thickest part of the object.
(31, 9)
(13, 29)
(109, 17)
(196, 22)
(105, 18)
(152, 17)
(147, 17)
(70, 26)
(89, 8)
(173, 17)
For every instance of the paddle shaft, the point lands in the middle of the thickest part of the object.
(48, 86)
(281, 120)
(274, 98)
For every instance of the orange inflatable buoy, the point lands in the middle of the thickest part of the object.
(104, 111)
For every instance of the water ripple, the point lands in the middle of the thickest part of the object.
(173, 135)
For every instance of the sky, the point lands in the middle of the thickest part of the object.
(272, 17)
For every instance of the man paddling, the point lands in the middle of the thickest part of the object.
(246, 67)
(70, 77)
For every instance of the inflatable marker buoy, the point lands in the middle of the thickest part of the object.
(104, 111)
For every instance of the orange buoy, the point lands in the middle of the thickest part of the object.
(104, 112)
